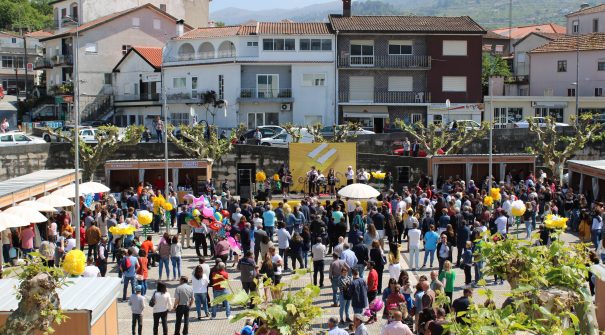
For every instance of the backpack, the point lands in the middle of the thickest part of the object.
(126, 264)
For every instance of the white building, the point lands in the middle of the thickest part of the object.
(269, 74)
(586, 20)
(13, 60)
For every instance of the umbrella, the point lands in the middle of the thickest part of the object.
(27, 213)
(11, 221)
(69, 191)
(94, 187)
(56, 201)
(358, 191)
(39, 206)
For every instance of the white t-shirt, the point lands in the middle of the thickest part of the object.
(394, 270)
(163, 302)
(277, 268)
(501, 224)
(401, 205)
(414, 237)
(71, 243)
(91, 271)
(200, 285)
(283, 238)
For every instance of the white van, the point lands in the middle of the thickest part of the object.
(283, 139)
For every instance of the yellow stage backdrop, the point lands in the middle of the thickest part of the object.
(323, 156)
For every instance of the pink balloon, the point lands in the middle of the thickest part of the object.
(207, 212)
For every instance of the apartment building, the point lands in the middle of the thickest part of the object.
(13, 61)
(588, 19)
(407, 67)
(266, 73)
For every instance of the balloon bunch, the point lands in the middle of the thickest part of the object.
(201, 213)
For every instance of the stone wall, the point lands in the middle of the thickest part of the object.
(20, 160)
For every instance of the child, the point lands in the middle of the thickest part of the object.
(137, 305)
(467, 262)
(248, 328)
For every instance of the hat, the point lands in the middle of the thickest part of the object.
(361, 317)
(138, 288)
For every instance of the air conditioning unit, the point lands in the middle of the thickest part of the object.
(286, 107)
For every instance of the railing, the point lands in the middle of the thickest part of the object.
(385, 97)
(42, 63)
(386, 62)
(62, 60)
(276, 93)
(137, 97)
(208, 57)
(64, 23)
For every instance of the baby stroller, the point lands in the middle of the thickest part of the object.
(371, 312)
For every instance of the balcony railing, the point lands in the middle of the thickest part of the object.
(42, 63)
(385, 97)
(277, 94)
(386, 62)
(62, 60)
(137, 97)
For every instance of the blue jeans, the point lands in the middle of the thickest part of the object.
(344, 306)
(358, 310)
(426, 256)
(164, 262)
(218, 293)
(176, 266)
(201, 299)
(361, 268)
(132, 280)
(596, 237)
(269, 231)
(478, 272)
(528, 229)
(335, 281)
(143, 284)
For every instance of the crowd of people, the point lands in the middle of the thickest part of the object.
(352, 246)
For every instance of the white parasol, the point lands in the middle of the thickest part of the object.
(358, 191)
(56, 201)
(11, 221)
(94, 187)
(26, 213)
(91, 187)
(39, 206)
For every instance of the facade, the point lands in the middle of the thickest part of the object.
(12, 56)
(137, 87)
(267, 74)
(496, 44)
(517, 33)
(99, 44)
(586, 20)
(194, 12)
(399, 67)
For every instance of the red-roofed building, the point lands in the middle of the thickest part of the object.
(13, 61)
(517, 33)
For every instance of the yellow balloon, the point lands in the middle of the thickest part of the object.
(518, 208)
(167, 206)
(495, 194)
(74, 262)
(144, 217)
(122, 230)
(488, 201)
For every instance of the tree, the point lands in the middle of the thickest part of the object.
(493, 66)
(109, 140)
(555, 148)
(39, 306)
(202, 141)
(33, 15)
(315, 131)
(434, 139)
(345, 132)
(293, 131)
(212, 103)
(219, 24)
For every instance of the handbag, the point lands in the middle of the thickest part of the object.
(12, 252)
(152, 301)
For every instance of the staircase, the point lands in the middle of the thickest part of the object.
(95, 107)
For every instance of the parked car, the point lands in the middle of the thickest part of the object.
(266, 131)
(399, 152)
(95, 123)
(540, 120)
(467, 124)
(65, 129)
(18, 138)
(329, 131)
(284, 139)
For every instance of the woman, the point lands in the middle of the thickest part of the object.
(450, 277)
(345, 296)
(296, 250)
(306, 236)
(143, 271)
(268, 273)
(221, 249)
(377, 256)
(331, 181)
(584, 228)
(176, 252)
(430, 245)
(265, 244)
(164, 252)
(370, 236)
(200, 282)
(394, 260)
(162, 304)
(527, 219)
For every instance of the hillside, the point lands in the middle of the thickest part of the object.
(490, 13)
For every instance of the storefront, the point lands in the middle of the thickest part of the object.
(587, 177)
(33, 185)
(368, 117)
(188, 175)
(476, 167)
(441, 113)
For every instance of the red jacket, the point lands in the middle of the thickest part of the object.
(218, 278)
(373, 281)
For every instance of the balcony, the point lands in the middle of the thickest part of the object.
(266, 95)
(180, 97)
(42, 63)
(381, 97)
(137, 97)
(385, 62)
(62, 60)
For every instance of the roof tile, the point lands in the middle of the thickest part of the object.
(210, 32)
(260, 28)
(594, 41)
(588, 10)
(153, 55)
(522, 31)
(412, 24)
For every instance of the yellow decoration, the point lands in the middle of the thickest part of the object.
(158, 203)
(167, 206)
(261, 176)
(196, 212)
(379, 175)
(276, 177)
(144, 217)
(518, 208)
(495, 194)
(74, 262)
(488, 201)
(122, 230)
(555, 222)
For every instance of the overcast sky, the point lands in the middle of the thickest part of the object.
(262, 4)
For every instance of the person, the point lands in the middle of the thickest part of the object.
(283, 242)
(185, 230)
(162, 303)
(436, 284)
(159, 128)
(91, 270)
(394, 261)
(348, 256)
(379, 261)
(406, 146)
(267, 272)
(333, 327)
(199, 283)
(331, 182)
(164, 253)
(396, 327)
(277, 263)
(435, 326)
(296, 250)
(129, 265)
(269, 221)
(462, 304)
(372, 282)
(444, 251)
(345, 294)
(149, 249)
(27, 240)
(336, 268)
(219, 275)
(450, 277)
(258, 136)
(176, 251)
(430, 245)
(596, 227)
(103, 254)
(318, 250)
(414, 246)
(467, 262)
(248, 328)
(93, 237)
(146, 135)
(137, 305)
(4, 125)
(415, 148)
(350, 175)
(359, 321)
(359, 292)
(183, 299)
(248, 272)
(143, 271)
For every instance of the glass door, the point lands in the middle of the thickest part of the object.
(267, 85)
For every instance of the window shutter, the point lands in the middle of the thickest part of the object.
(454, 48)
(361, 88)
(454, 84)
(401, 84)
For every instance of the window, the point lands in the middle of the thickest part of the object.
(177, 119)
(571, 92)
(595, 25)
(598, 91)
(19, 62)
(7, 62)
(107, 78)
(221, 86)
(403, 174)
(315, 44)
(454, 48)
(575, 26)
(561, 66)
(179, 82)
(454, 84)
(504, 116)
(163, 7)
(601, 65)
(136, 22)
(279, 44)
(362, 53)
(125, 48)
(361, 88)
(400, 47)
(314, 79)
(157, 24)
(194, 87)
(437, 119)
(416, 117)
(21, 138)
(14, 40)
(401, 84)
(90, 48)
(252, 44)
(555, 113)
(63, 12)
(267, 85)
(6, 138)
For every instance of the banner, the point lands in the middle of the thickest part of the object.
(324, 156)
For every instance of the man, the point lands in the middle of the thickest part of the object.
(91, 270)
(359, 321)
(363, 255)
(220, 276)
(93, 237)
(312, 178)
(283, 243)
(159, 128)
(27, 240)
(463, 235)
(359, 293)
(396, 327)
(415, 148)
(335, 271)
(462, 304)
(183, 299)
(333, 327)
(137, 305)
(103, 254)
(501, 222)
(350, 175)
(149, 248)
(372, 281)
(349, 257)
(436, 284)
(129, 266)
(414, 246)
(248, 272)
(259, 234)
(318, 250)
(184, 228)
(258, 136)
(269, 221)
(245, 237)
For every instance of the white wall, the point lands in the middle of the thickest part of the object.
(130, 72)
(313, 100)
(586, 22)
(529, 43)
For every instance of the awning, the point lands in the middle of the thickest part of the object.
(366, 111)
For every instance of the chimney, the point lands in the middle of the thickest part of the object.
(346, 8)
(180, 27)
